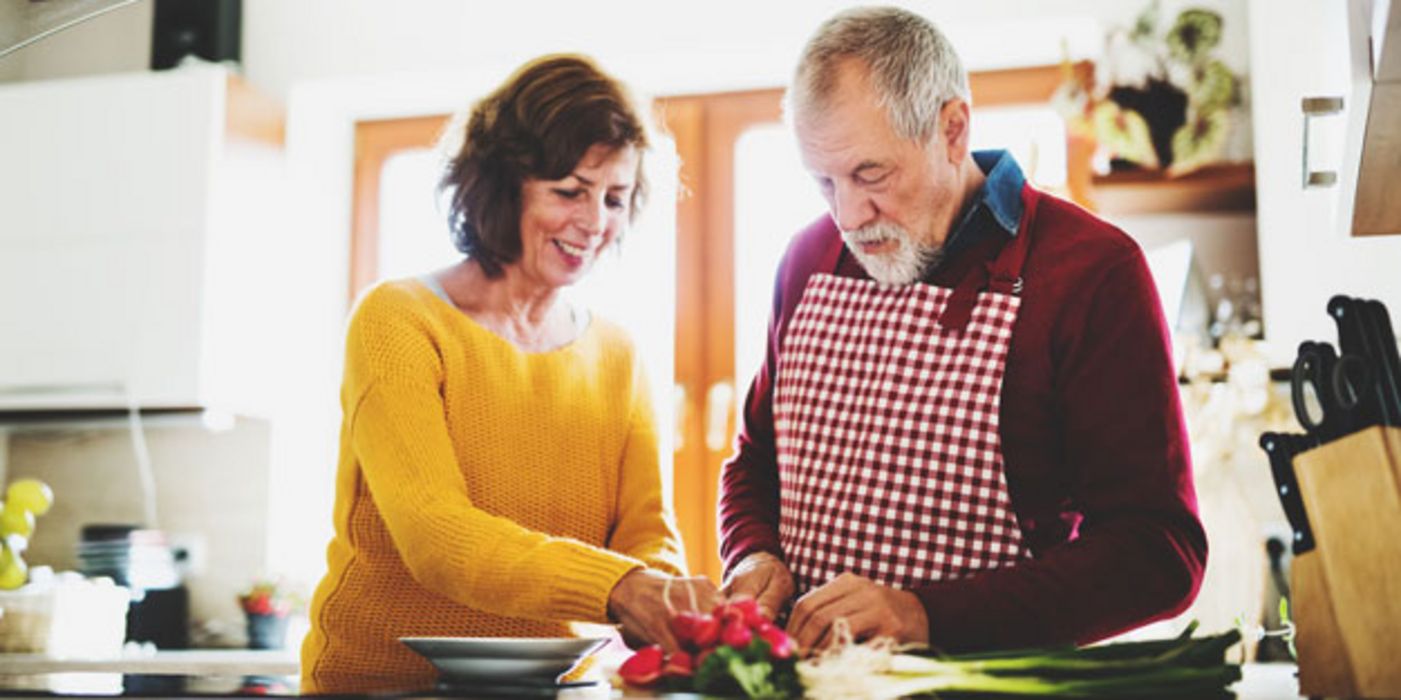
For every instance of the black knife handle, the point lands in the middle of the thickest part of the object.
(1388, 360)
(1281, 449)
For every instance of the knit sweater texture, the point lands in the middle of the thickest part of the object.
(481, 490)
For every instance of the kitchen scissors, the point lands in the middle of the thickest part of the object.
(1338, 383)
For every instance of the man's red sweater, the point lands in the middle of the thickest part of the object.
(1093, 437)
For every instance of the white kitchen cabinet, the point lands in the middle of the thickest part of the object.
(1301, 49)
(133, 225)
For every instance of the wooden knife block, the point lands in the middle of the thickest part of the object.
(1347, 592)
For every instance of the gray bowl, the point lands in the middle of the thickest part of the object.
(502, 658)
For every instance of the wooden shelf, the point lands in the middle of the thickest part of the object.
(1217, 188)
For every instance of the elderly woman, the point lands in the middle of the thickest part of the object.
(499, 471)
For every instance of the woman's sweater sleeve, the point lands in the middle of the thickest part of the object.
(646, 524)
(401, 440)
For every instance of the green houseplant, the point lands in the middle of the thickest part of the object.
(1160, 99)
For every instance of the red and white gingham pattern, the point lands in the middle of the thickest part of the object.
(890, 462)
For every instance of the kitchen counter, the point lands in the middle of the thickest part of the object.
(1259, 682)
(195, 662)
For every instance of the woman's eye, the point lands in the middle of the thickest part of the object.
(614, 203)
(569, 194)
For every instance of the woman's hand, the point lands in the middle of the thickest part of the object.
(643, 601)
(765, 578)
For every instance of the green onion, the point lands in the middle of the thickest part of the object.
(1182, 667)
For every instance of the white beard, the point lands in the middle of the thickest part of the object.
(907, 264)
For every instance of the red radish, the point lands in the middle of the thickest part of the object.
(679, 665)
(727, 613)
(683, 627)
(750, 610)
(695, 630)
(642, 668)
(780, 644)
(735, 633)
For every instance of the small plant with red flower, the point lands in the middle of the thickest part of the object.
(270, 597)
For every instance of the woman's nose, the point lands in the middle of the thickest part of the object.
(593, 216)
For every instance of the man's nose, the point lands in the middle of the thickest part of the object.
(851, 208)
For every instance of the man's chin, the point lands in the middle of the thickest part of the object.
(887, 272)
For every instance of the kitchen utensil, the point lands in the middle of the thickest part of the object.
(1347, 591)
(1355, 341)
(1337, 383)
(1281, 449)
(1377, 322)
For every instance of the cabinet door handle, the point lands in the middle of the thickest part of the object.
(1318, 107)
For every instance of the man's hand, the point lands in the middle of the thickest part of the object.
(637, 602)
(763, 577)
(870, 609)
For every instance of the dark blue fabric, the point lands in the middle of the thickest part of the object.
(996, 209)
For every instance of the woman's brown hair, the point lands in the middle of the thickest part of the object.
(537, 125)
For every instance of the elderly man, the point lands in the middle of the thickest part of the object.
(966, 431)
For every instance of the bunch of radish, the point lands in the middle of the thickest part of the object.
(733, 648)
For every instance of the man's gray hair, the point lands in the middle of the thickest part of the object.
(913, 67)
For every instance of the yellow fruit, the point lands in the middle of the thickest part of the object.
(16, 521)
(30, 494)
(13, 571)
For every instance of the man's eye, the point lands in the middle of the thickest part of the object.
(870, 178)
(569, 194)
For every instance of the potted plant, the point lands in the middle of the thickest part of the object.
(1159, 100)
(267, 604)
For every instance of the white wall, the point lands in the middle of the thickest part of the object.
(661, 47)
(211, 490)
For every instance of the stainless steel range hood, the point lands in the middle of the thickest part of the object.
(1369, 199)
(23, 22)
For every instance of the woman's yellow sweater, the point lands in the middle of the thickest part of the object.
(481, 491)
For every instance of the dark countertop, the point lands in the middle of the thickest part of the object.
(1260, 682)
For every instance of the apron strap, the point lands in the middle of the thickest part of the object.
(1002, 275)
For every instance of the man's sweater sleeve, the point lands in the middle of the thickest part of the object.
(1141, 550)
(748, 502)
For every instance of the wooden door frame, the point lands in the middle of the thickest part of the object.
(705, 129)
(376, 141)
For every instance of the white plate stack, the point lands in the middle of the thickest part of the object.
(503, 663)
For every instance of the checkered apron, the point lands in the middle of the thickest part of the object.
(886, 416)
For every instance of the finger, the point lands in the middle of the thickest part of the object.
(817, 611)
(860, 611)
(746, 583)
(771, 600)
(808, 621)
(809, 604)
(706, 596)
(660, 631)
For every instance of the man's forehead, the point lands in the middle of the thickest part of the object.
(843, 139)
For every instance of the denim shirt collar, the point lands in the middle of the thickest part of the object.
(1001, 192)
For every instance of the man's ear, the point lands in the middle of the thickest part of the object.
(953, 129)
